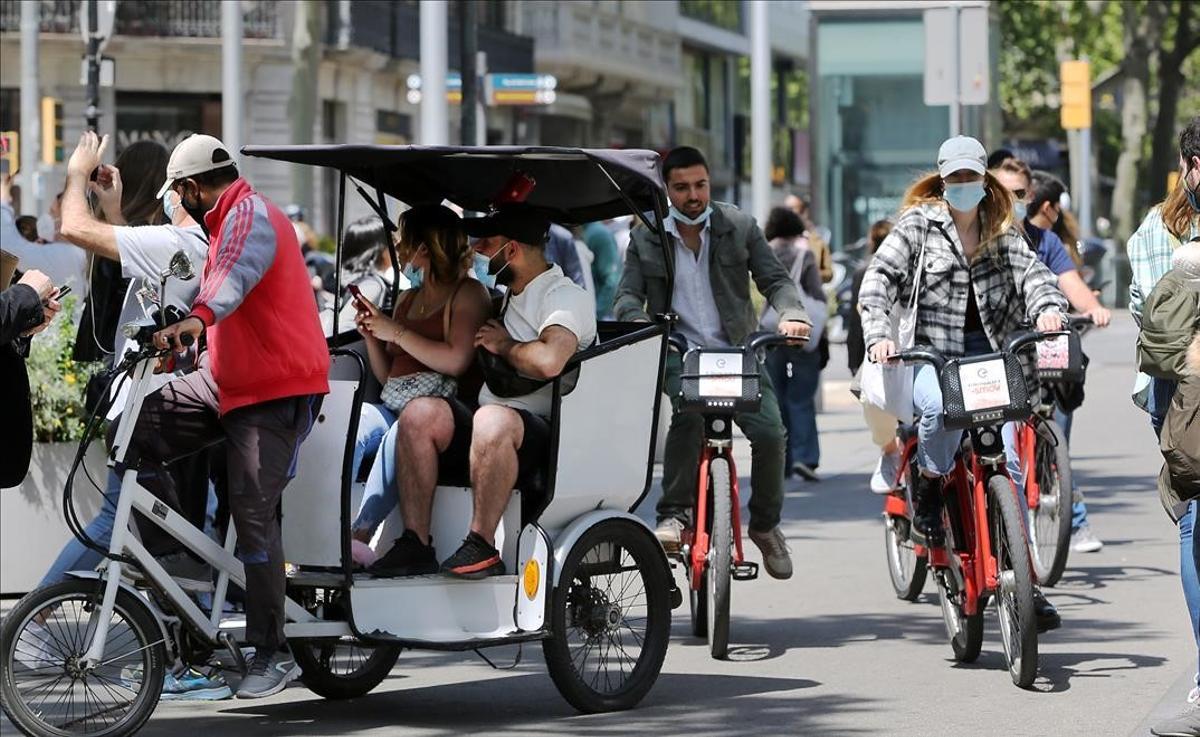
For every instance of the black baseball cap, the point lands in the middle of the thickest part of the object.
(520, 222)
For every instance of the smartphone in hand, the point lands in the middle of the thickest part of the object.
(63, 291)
(359, 299)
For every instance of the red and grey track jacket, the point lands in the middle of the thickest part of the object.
(264, 336)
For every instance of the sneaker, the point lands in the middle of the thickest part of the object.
(887, 470)
(1083, 540)
(191, 574)
(192, 685)
(408, 557)
(475, 559)
(805, 471)
(34, 648)
(773, 546)
(268, 675)
(1045, 612)
(1184, 724)
(670, 533)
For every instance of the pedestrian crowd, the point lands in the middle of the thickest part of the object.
(465, 320)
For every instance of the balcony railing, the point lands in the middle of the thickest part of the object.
(178, 18)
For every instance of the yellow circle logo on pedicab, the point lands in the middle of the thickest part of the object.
(532, 578)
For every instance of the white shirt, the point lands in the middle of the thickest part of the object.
(62, 262)
(550, 299)
(146, 252)
(693, 300)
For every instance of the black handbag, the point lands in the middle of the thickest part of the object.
(505, 382)
(983, 390)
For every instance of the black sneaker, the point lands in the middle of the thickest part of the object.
(474, 559)
(1046, 613)
(407, 557)
(805, 471)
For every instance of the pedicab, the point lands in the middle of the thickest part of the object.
(586, 577)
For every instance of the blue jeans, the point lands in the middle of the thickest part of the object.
(796, 375)
(75, 556)
(373, 423)
(1189, 564)
(381, 494)
(937, 446)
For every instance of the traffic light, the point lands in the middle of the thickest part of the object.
(1076, 81)
(52, 131)
(10, 151)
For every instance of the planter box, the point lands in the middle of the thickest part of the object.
(32, 527)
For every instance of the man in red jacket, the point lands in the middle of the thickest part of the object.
(257, 387)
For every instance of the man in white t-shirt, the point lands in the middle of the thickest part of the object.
(545, 320)
(64, 264)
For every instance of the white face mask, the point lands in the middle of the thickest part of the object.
(700, 219)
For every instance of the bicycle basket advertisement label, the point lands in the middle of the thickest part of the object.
(984, 385)
(721, 375)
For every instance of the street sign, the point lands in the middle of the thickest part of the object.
(453, 88)
(106, 14)
(956, 73)
(519, 89)
(1076, 110)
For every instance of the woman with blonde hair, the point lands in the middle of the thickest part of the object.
(424, 350)
(979, 283)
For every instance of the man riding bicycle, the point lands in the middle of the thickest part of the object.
(257, 387)
(716, 246)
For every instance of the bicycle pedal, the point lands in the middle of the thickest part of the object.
(747, 571)
(235, 652)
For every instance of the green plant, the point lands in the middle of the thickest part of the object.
(56, 381)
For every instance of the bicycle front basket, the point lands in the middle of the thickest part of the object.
(724, 380)
(1061, 358)
(983, 390)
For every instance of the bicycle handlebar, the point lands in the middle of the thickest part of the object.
(754, 341)
(1015, 344)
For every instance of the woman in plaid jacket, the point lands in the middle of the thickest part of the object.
(981, 282)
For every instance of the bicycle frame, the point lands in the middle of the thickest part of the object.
(965, 495)
(700, 538)
(135, 497)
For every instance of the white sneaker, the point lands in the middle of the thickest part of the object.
(33, 648)
(670, 534)
(1083, 540)
(886, 471)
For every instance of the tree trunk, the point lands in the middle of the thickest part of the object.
(1164, 156)
(302, 105)
(1142, 30)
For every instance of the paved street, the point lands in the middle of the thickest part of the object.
(832, 651)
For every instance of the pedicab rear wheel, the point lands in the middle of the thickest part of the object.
(343, 668)
(611, 618)
(46, 694)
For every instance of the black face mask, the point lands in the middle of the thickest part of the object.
(503, 271)
(196, 210)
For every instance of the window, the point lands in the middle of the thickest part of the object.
(725, 14)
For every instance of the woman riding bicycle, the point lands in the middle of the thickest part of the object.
(980, 282)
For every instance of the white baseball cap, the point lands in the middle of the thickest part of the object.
(961, 152)
(194, 155)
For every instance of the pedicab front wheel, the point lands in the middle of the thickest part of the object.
(43, 688)
(611, 618)
(343, 668)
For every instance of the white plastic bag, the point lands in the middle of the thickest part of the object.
(890, 386)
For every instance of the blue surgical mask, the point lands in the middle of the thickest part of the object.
(1019, 211)
(964, 196)
(480, 267)
(169, 207)
(414, 275)
(700, 219)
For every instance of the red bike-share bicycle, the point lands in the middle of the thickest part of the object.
(718, 383)
(986, 552)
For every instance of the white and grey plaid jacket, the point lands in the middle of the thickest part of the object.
(1012, 287)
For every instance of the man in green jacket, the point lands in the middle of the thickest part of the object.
(717, 248)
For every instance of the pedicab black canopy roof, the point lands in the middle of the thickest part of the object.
(572, 185)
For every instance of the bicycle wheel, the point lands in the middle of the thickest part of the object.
(343, 668)
(906, 569)
(964, 630)
(46, 694)
(1050, 520)
(610, 618)
(1014, 589)
(720, 559)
